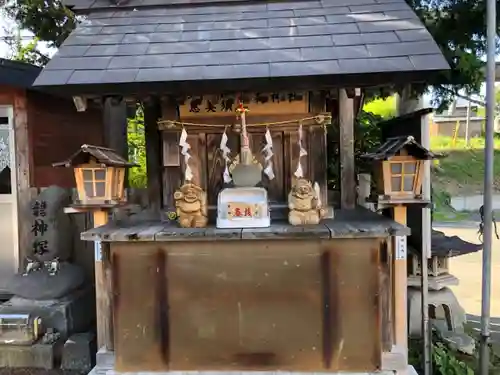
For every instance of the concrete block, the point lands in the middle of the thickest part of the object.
(79, 352)
(36, 356)
(105, 358)
(74, 313)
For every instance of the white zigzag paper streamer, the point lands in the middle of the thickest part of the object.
(318, 193)
(299, 173)
(268, 155)
(225, 155)
(185, 147)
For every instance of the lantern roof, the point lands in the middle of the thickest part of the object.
(393, 145)
(449, 246)
(102, 155)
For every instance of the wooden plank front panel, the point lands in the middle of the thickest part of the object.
(274, 305)
(140, 312)
(256, 308)
(386, 296)
(354, 272)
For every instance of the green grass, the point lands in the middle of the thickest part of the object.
(442, 143)
(461, 172)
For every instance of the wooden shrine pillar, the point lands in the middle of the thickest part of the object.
(170, 161)
(407, 103)
(346, 150)
(152, 113)
(115, 137)
(115, 125)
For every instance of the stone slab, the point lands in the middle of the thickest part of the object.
(435, 283)
(97, 371)
(105, 362)
(43, 356)
(74, 313)
(79, 352)
(105, 359)
(40, 285)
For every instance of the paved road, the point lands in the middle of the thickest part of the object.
(468, 270)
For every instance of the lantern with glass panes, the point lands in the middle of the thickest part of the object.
(99, 174)
(398, 169)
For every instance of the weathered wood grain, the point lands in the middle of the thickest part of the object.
(317, 161)
(346, 150)
(171, 154)
(171, 173)
(152, 112)
(24, 166)
(358, 223)
(287, 231)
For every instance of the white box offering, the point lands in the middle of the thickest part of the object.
(243, 207)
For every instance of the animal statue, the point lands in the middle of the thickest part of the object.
(304, 204)
(31, 266)
(52, 266)
(191, 206)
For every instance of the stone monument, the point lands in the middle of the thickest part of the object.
(51, 287)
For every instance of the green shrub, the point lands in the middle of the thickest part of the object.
(137, 176)
(445, 361)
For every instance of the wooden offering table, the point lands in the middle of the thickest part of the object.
(289, 298)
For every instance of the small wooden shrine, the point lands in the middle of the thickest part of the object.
(99, 175)
(241, 261)
(398, 170)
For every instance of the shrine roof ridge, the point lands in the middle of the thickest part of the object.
(144, 43)
(395, 144)
(103, 155)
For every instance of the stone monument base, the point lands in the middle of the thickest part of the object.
(45, 356)
(79, 352)
(105, 363)
(68, 315)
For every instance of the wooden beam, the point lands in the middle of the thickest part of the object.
(346, 150)
(171, 174)
(23, 165)
(115, 126)
(400, 283)
(115, 137)
(152, 112)
(103, 287)
(317, 146)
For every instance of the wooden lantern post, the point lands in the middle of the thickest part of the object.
(398, 173)
(99, 175)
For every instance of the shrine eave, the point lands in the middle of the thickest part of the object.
(199, 87)
(330, 42)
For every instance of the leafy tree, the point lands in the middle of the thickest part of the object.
(137, 149)
(29, 53)
(385, 108)
(48, 20)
